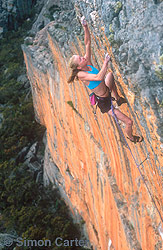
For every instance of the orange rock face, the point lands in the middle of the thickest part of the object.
(98, 175)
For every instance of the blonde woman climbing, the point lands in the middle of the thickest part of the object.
(103, 87)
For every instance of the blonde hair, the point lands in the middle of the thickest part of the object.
(73, 65)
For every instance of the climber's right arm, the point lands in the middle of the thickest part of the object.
(87, 40)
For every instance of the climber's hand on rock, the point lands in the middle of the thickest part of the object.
(107, 58)
(83, 21)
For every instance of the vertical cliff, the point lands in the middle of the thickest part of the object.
(86, 158)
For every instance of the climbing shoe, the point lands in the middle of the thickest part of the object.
(136, 139)
(121, 100)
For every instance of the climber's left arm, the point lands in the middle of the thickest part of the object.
(87, 41)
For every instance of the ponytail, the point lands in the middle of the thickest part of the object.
(73, 65)
(73, 75)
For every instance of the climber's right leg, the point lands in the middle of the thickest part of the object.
(129, 123)
(110, 83)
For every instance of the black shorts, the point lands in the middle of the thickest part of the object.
(104, 103)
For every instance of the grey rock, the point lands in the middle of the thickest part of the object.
(22, 78)
(21, 155)
(12, 13)
(51, 13)
(28, 40)
(140, 76)
(34, 166)
(39, 177)
(31, 155)
(1, 119)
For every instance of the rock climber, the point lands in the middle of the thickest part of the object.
(102, 86)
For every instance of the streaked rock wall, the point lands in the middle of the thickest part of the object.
(86, 158)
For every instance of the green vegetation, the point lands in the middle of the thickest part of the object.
(72, 106)
(159, 68)
(161, 59)
(118, 7)
(18, 126)
(161, 105)
(27, 207)
(111, 29)
(111, 39)
(58, 26)
(33, 211)
(114, 43)
(54, 8)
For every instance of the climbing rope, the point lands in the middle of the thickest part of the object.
(138, 165)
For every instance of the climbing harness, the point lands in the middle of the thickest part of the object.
(138, 165)
(93, 101)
